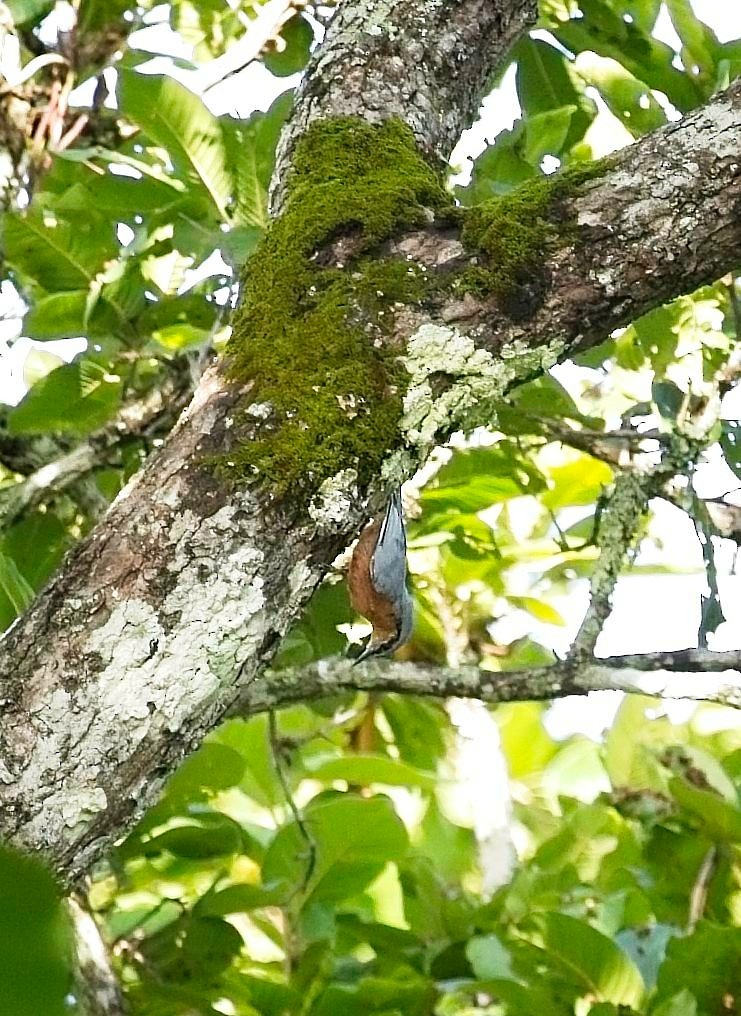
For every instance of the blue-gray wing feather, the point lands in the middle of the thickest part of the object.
(389, 563)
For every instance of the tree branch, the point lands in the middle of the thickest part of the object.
(96, 989)
(618, 527)
(695, 674)
(153, 413)
(424, 61)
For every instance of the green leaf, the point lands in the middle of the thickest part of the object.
(578, 482)
(706, 964)
(95, 15)
(56, 253)
(23, 11)
(668, 399)
(730, 442)
(354, 838)
(721, 820)
(210, 945)
(250, 739)
(657, 334)
(59, 315)
(76, 398)
(292, 58)
(629, 99)
(576, 770)
(546, 133)
(451, 848)
(683, 1003)
(596, 962)
(369, 769)
(198, 842)
(643, 14)
(175, 118)
(238, 243)
(701, 51)
(250, 148)
(699, 766)
(178, 337)
(125, 196)
(417, 726)
(538, 608)
(239, 899)
(604, 31)
(546, 81)
(37, 364)
(14, 585)
(499, 169)
(155, 171)
(36, 939)
(526, 743)
(629, 761)
(212, 768)
(489, 958)
(546, 396)
(401, 991)
(165, 271)
(477, 478)
(37, 544)
(188, 309)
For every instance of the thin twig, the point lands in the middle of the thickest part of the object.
(310, 844)
(699, 894)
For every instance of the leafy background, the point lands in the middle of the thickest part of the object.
(378, 854)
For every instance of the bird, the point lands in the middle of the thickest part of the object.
(376, 581)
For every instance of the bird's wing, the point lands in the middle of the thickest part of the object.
(389, 563)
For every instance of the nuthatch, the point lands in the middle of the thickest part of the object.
(376, 581)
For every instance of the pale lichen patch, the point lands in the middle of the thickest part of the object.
(156, 668)
(126, 634)
(300, 577)
(329, 507)
(83, 805)
(474, 377)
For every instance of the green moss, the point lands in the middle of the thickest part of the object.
(516, 232)
(311, 334)
(305, 331)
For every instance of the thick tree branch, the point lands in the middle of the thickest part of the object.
(695, 674)
(166, 615)
(424, 61)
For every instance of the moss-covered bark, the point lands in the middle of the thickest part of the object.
(320, 297)
(517, 232)
(310, 334)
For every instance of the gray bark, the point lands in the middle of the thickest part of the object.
(424, 61)
(95, 988)
(699, 675)
(164, 618)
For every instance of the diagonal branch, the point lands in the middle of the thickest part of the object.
(154, 413)
(618, 529)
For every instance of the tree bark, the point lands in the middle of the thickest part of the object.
(163, 619)
(699, 675)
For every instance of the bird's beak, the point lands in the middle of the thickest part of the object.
(367, 651)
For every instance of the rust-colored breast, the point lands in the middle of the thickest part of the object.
(363, 596)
